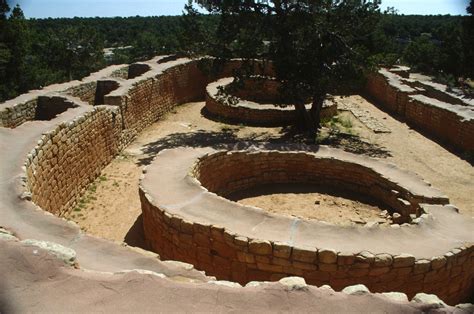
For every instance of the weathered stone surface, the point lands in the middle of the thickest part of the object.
(7, 235)
(327, 256)
(294, 283)
(282, 250)
(421, 266)
(261, 247)
(356, 290)
(403, 260)
(396, 296)
(365, 257)
(430, 300)
(438, 262)
(225, 283)
(383, 260)
(66, 254)
(306, 255)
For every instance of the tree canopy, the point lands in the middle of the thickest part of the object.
(314, 46)
(39, 52)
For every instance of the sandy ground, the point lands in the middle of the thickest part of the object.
(111, 207)
(311, 202)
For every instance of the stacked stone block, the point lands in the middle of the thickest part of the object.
(67, 159)
(430, 115)
(245, 110)
(11, 117)
(238, 257)
(230, 256)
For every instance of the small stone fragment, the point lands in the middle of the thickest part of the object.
(356, 290)
(429, 299)
(66, 254)
(396, 296)
(294, 283)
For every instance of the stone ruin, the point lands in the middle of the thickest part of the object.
(56, 141)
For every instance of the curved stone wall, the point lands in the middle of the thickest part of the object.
(75, 145)
(70, 157)
(237, 106)
(228, 172)
(183, 221)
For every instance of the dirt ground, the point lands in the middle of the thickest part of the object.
(111, 207)
(311, 202)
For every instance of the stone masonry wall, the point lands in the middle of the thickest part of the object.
(67, 159)
(22, 112)
(423, 113)
(149, 99)
(226, 173)
(229, 256)
(85, 92)
(72, 156)
(253, 113)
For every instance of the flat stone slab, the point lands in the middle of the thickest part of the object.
(42, 283)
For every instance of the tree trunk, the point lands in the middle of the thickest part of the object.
(305, 121)
(316, 107)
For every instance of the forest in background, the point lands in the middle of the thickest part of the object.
(39, 52)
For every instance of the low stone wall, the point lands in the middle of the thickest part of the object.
(14, 116)
(152, 97)
(234, 253)
(67, 159)
(85, 92)
(451, 123)
(226, 173)
(237, 106)
(72, 156)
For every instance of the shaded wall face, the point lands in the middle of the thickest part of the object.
(49, 107)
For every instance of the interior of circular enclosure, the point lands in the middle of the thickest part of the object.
(226, 173)
(257, 89)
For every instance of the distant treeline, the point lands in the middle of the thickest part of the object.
(38, 52)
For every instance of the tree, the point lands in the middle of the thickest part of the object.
(314, 46)
(422, 54)
(468, 41)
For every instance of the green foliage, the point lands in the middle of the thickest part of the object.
(315, 46)
(39, 52)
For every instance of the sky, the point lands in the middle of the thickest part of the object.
(109, 8)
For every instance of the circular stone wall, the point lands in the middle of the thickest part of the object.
(185, 219)
(255, 103)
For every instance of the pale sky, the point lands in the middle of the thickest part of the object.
(108, 8)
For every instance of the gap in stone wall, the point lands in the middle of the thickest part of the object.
(137, 69)
(49, 107)
(103, 88)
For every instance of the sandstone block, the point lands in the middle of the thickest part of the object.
(356, 290)
(438, 262)
(383, 260)
(403, 260)
(282, 250)
(421, 266)
(261, 247)
(327, 256)
(294, 283)
(306, 255)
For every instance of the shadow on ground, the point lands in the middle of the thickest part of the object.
(288, 139)
(135, 236)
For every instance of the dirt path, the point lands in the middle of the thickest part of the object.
(412, 151)
(111, 207)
